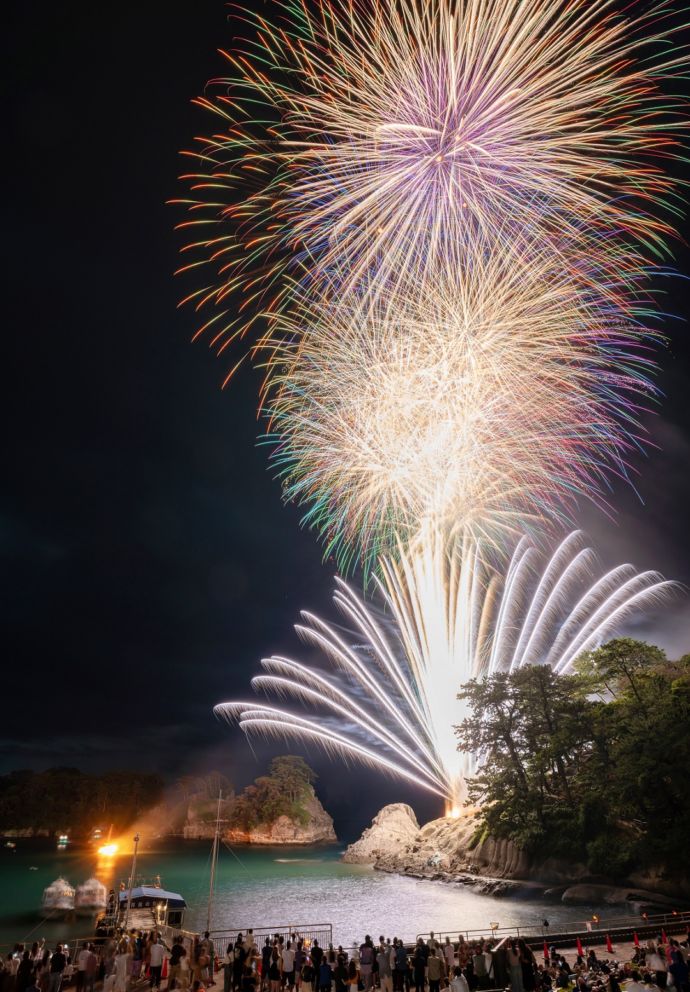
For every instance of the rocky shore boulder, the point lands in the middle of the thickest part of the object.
(393, 828)
(613, 895)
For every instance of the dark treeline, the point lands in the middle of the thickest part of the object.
(65, 799)
(590, 766)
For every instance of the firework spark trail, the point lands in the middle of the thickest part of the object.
(378, 138)
(478, 399)
(395, 708)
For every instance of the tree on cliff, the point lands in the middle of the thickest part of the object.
(589, 766)
(283, 792)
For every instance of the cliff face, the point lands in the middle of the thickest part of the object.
(194, 823)
(318, 829)
(393, 827)
(441, 851)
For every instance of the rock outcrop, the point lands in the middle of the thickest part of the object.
(593, 893)
(445, 850)
(317, 830)
(393, 827)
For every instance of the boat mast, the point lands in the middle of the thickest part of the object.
(132, 879)
(214, 861)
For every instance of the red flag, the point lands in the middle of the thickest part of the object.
(636, 940)
(580, 948)
(546, 952)
(664, 938)
(609, 945)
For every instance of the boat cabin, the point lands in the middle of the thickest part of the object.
(167, 908)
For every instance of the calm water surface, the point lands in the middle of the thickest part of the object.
(265, 886)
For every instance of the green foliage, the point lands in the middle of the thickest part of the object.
(610, 855)
(589, 766)
(283, 792)
(66, 799)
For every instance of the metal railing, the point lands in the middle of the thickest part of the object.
(585, 929)
(308, 932)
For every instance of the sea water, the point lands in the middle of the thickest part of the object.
(265, 887)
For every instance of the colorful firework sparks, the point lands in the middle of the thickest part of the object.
(478, 399)
(378, 137)
(449, 619)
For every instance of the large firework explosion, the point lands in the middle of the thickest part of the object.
(477, 398)
(380, 137)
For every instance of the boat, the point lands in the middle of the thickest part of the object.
(90, 898)
(58, 899)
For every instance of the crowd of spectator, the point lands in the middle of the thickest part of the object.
(293, 963)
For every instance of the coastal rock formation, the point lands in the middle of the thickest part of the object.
(392, 828)
(318, 829)
(446, 850)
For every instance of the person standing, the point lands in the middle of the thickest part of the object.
(528, 963)
(514, 962)
(678, 967)
(90, 970)
(383, 963)
(82, 958)
(325, 975)
(307, 976)
(177, 953)
(25, 972)
(58, 963)
(300, 958)
(266, 952)
(274, 974)
(156, 954)
(419, 966)
(400, 965)
(121, 967)
(340, 972)
(656, 960)
(287, 965)
(434, 966)
(208, 951)
(366, 962)
(479, 968)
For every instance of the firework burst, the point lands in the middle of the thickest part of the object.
(477, 400)
(382, 137)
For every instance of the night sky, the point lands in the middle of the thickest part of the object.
(148, 562)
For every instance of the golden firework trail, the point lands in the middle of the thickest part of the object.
(388, 694)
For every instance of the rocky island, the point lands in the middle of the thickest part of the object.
(279, 808)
